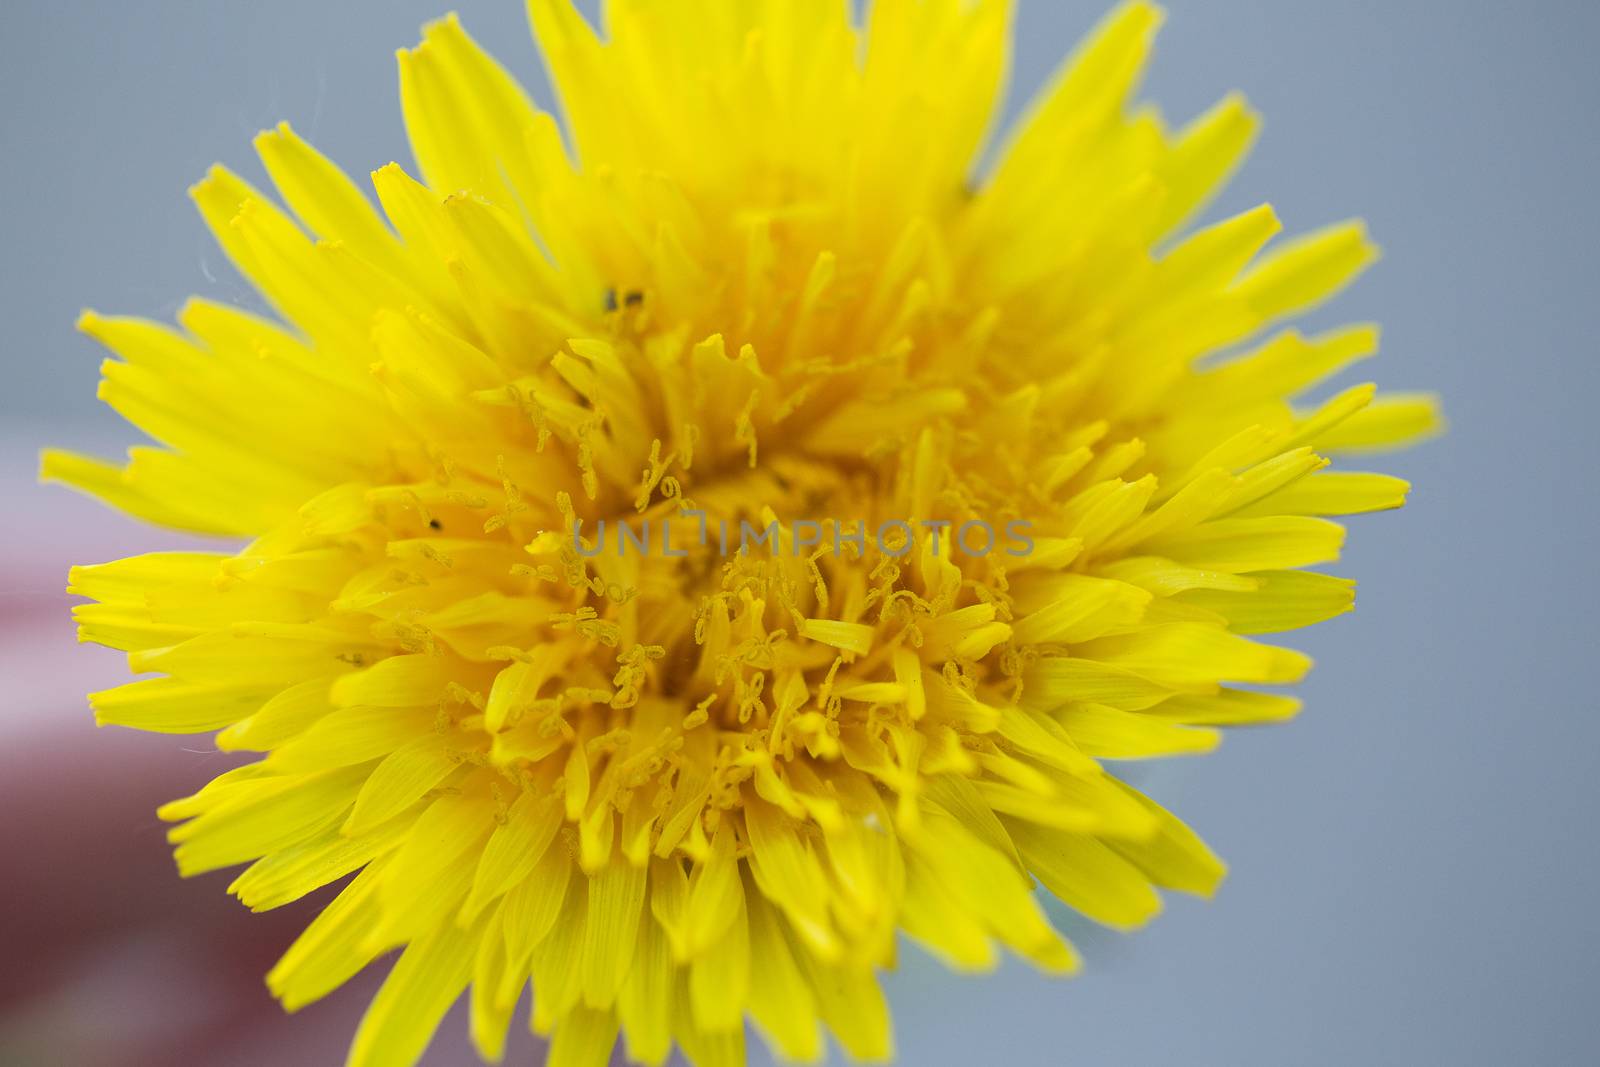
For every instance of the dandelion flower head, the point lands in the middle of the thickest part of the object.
(757, 277)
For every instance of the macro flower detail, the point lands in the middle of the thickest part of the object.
(757, 278)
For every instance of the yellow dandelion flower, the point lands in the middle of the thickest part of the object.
(595, 614)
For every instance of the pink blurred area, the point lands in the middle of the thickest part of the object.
(110, 958)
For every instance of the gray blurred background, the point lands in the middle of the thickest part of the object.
(1414, 871)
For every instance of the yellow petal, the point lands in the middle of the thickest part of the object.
(425, 981)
